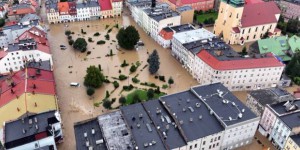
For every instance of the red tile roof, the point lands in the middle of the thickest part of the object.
(2, 54)
(248, 63)
(44, 83)
(166, 35)
(259, 13)
(43, 48)
(105, 5)
(9, 23)
(63, 7)
(34, 33)
(21, 11)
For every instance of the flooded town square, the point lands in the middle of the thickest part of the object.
(75, 104)
(70, 66)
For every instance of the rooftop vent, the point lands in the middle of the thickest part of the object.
(85, 134)
(93, 131)
(158, 127)
(198, 105)
(140, 116)
(240, 115)
(165, 135)
(153, 142)
(200, 117)
(243, 110)
(191, 119)
(167, 127)
(191, 109)
(35, 119)
(36, 127)
(138, 125)
(24, 131)
(183, 109)
(230, 118)
(188, 100)
(145, 144)
(87, 143)
(149, 127)
(99, 141)
(158, 111)
(181, 122)
(30, 121)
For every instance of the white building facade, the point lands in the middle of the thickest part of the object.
(117, 7)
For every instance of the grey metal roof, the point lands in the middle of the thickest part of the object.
(183, 8)
(296, 139)
(291, 120)
(29, 17)
(143, 130)
(182, 28)
(280, 109)
(81, 128)
(270, 96)
(161, 13)
(44, 65)
(17, 47)
(162, 119)
(185, 106)
(87, 4)
(14, 130)
(20, 6)
(224, 104)
(21, 25)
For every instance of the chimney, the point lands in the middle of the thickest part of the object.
(153, 4)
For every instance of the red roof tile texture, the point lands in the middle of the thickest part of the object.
(34, 33)
(105, 5)
(63, 7)
(238, 64)
(166, 35)
(259, 13)
(21, 11)
(2, 54)
(42, 83)
(253, 1)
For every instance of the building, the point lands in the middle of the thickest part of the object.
(9, 34)
(293, 143)
(16, 12)
(186, 13)
(195, 4)
(237, 24)
(290, 9)
(37, 131)
(67, 11)
(282, 46)
(89, 10)
(25, 50)
(29, 17)
(166, 34)
(88, 134)
(204, 117)
(258, 99)
(279, 122)
(117, 6)
(30, 90)
(52, 11)
(106, 8)
(209, 60)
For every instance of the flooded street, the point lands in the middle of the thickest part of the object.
(70, 66)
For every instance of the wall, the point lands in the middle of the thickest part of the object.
(267, 121)
(280, 133)
(187, 16)
(291, 145)
(41, 143)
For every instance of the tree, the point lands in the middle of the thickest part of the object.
(170, 81)
(90, 91)
(128, 37)
(80, 44)
(122, 100)
(116, 84)
(291, 65)
(136, 99)
(2, 22)
(93, 78)
(244, 51)
(107, 95)
(293, 26)
(150, 93)
(107, 104)
(153, 62)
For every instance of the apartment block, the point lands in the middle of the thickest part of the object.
(204, 117)
(209, 60)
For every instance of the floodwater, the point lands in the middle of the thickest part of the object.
(70, 66)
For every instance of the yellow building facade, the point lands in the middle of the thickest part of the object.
(291, 143)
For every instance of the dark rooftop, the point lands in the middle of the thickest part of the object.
(162, 13)
(291, 120)
(27, 44)
(87, 4)
(183, 9)
(166, 124)
(224, 104)
(25, 130)
(296, 139)
(81, 128)
(193, 117)
(44, 65)
(270, 96)
(143, 130)
(280, 109)
(182, 28)
(219, 49)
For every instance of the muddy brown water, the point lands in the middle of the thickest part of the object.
(70, 66)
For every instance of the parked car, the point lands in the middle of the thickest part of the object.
(75, 84)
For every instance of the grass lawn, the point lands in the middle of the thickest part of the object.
(201, 18)
(142, 95)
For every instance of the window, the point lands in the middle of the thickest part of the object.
(219, 137)
(203, 142)
(237, 16)
(254, 36)
(249, 30)
(247, 37)
(191, 147)
(256, 29)
(209, 146)
(263, 28)
(195, 145)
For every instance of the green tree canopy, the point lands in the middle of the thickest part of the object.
(171, 81)
(107, 104)
(90, 91)
(80, 44)
(128, 37)
(122, 100)
(150, 93)
(153, 62)
(93, 78)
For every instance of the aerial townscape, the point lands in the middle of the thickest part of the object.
(149, 75)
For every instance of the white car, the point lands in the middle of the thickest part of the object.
(75, 84)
